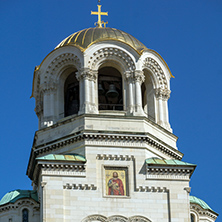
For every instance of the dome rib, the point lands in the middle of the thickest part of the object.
(87, 37)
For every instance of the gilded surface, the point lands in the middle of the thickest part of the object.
(87, 37)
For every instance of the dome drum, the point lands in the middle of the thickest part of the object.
(141, 93)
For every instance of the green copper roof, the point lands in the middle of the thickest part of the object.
(66, 157)
(200, 202)
(158, 161)
(15, 195)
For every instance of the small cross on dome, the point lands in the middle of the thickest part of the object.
(99, 13)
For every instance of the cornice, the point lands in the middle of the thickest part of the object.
(47, 167)
(108, 137)
(202, 212)
(169, 173)
(18, 203)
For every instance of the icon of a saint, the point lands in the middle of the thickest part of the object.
(115, 185)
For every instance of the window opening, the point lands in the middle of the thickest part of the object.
(25, 215)
(110, 93)
(71, 95)
(192, 218)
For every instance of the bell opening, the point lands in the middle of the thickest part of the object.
(110, 92)
(71, 93)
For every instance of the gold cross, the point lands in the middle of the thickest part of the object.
(99, 13)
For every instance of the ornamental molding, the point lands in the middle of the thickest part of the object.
(12, 206)
(73, 186)
(138, 219)
(58, 169)
(116, 218)
(61, 61)
(139, 76)
(202, 212)
(87, 73)
(95, 218)
(152, 189)
(128, 76)
(152, 65)
(114, 157)
(39, 107)
(99, 139)
(37, 95)
(162, 93)
(54, 167)
(169, 171)
(48, 86)
(41, 149)
(111, 54)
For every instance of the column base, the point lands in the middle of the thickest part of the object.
(138, 111)
(89, 108)
(165, 125)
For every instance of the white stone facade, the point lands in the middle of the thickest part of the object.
(114, 142)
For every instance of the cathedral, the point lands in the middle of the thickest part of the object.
(104, 150)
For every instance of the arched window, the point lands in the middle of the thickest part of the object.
(110, 90)
(25, 215)
(71, 94)
(192, 218)
(148, 97)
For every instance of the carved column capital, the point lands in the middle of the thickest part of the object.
(139, 76)
(128, 76)
(39, 108)
(87, 73)
(49, 85)
(162, 93)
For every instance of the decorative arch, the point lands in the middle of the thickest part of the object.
(25, 215)
(148, 95)
(115, 218)
(156, 72)
(60, 63)
(48, 79)
(120, 60)
(111, 53)
(139, 219)
(194, 213)
(95, 217)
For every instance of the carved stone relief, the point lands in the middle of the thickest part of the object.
(155, 68)
(116, 218)
(111, 53)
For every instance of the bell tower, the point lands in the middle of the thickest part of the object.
(104, 150)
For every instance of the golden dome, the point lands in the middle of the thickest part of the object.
(86, 37)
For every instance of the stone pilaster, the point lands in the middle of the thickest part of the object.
(49, 89)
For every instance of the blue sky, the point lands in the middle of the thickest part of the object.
(187, 34)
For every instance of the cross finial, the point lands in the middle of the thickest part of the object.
(99, 13)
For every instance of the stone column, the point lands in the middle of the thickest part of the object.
(94, 91)
(162, 96)
(87, 79)
(48, 88)
(139, 78)
(129, 97)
